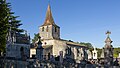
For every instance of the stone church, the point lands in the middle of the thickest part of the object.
(54, 46)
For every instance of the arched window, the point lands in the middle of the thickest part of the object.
(94, 54)
(47, 29)
(21, 49)
(22, 52)
(48, 56)
(42, 28)
(68, 51)
(77, 52)
(81, 54)
(55, 29)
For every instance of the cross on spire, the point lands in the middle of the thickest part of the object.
(108, 38)
(108, 32)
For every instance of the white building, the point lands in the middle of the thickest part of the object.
(119, 55)
(32, 52)
(89, 54)
(94, 52)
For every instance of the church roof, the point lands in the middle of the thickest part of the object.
(69, 42)
(49, 18)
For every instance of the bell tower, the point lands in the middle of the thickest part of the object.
(49, 30)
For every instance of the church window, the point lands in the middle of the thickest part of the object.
(21, 49)
(42, 28)
(94, 54)
(47, 29)
(77, 52)
(45, 43)
(55, 29)
(48, 56)
(68, 51)
(81, 55)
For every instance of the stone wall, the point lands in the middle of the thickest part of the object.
(57, 46)
(49, 32)
(17, 50)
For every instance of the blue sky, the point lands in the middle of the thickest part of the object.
(79, 20)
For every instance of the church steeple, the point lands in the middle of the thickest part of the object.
(49, 30)
(49, 18)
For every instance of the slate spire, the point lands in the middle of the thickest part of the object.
(49, 18)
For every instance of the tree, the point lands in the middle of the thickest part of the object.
(89, 45)
(99, 52)
(116, 52)
(15, 24)
(4, 23)
(36, 36)
(7, 21)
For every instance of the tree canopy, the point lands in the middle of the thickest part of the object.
(116, 52)
(4, 23)
(89, 45)
(7, 21)
(36, 36)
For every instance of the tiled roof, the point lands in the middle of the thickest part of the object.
(69, 42)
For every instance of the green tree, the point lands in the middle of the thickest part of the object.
(116, 52)
(36, 36)
(15, 24)
(99, 52)
(4, 23)
(7, 21)
(89, 45)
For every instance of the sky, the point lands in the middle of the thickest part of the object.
(79, 20)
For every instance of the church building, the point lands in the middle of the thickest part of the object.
(54, 46)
